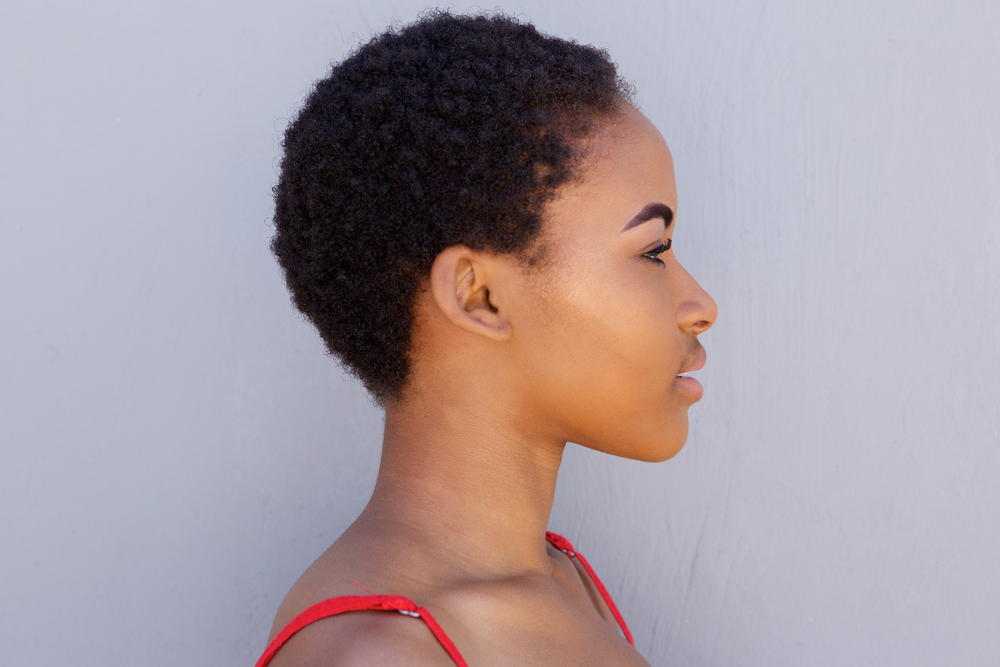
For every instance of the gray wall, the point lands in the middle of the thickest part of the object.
(176, 448)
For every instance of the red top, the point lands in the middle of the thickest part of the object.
(404, 605)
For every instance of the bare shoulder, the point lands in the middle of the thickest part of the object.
(363, 638)
(369, 638)
(575, 566)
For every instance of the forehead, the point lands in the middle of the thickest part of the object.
(626, 166)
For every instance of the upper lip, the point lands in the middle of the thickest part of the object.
(696, 362)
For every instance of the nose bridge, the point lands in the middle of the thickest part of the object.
(696, 309)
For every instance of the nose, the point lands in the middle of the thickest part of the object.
(696, 309)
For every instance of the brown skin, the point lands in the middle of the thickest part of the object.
(510, 364)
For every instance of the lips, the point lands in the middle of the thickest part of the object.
(689, 385)
(696, 362)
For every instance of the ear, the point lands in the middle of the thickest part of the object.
(460, 284)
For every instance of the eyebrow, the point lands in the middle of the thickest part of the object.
(654, 210)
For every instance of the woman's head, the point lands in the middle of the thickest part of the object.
(595, 348)
(454, 130)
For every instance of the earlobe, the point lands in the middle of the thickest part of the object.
(460, 286)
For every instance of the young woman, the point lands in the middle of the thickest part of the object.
(478, 222)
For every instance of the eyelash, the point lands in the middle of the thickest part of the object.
(653, 254)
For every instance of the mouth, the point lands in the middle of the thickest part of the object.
(688, 384)
(695, 363)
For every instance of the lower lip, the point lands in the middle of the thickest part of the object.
(689, 385)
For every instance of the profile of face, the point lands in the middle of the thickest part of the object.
(608, 326)
(590, 346)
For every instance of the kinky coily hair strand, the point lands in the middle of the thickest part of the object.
(451, 130)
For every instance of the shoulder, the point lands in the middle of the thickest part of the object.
(349, 635)
(581, 577)
(368, 638)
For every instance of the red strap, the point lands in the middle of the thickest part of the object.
(347, 603)
(561, 543)
(405, 605)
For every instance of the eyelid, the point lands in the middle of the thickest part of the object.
(657, 250)
(662, 245)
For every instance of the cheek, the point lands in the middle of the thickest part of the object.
(622, 318)
(604, 343)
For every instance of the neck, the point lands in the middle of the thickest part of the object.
(480, 486)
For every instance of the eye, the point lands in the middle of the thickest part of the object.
(653, 255)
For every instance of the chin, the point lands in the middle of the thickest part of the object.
(667, 455)
(664, 452)
(664, 443)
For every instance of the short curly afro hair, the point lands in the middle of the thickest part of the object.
(454, 129)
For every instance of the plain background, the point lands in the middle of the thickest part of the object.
(176, 448)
